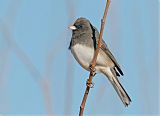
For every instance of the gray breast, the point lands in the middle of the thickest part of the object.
(82, 38)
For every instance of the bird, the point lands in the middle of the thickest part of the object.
(83, 44)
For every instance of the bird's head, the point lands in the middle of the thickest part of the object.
(81, 25)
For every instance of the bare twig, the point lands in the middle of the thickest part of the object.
(46, 81)
(46, 89)
(70, 7)
(92, 67)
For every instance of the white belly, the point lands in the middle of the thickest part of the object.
(84, 55)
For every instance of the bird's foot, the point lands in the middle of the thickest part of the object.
(89, 84)
(93, 70)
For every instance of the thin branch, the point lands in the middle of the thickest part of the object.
(46, 80)
(93, 64)
(46, 89)
(70, 7)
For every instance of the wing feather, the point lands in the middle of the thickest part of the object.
(108, 53)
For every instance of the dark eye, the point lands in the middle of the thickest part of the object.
(79, 26)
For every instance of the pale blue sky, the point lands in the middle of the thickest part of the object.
(34, 40)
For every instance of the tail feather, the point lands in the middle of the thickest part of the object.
(121, 92)
(118, 87)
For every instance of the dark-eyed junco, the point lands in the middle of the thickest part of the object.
(83, 45)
